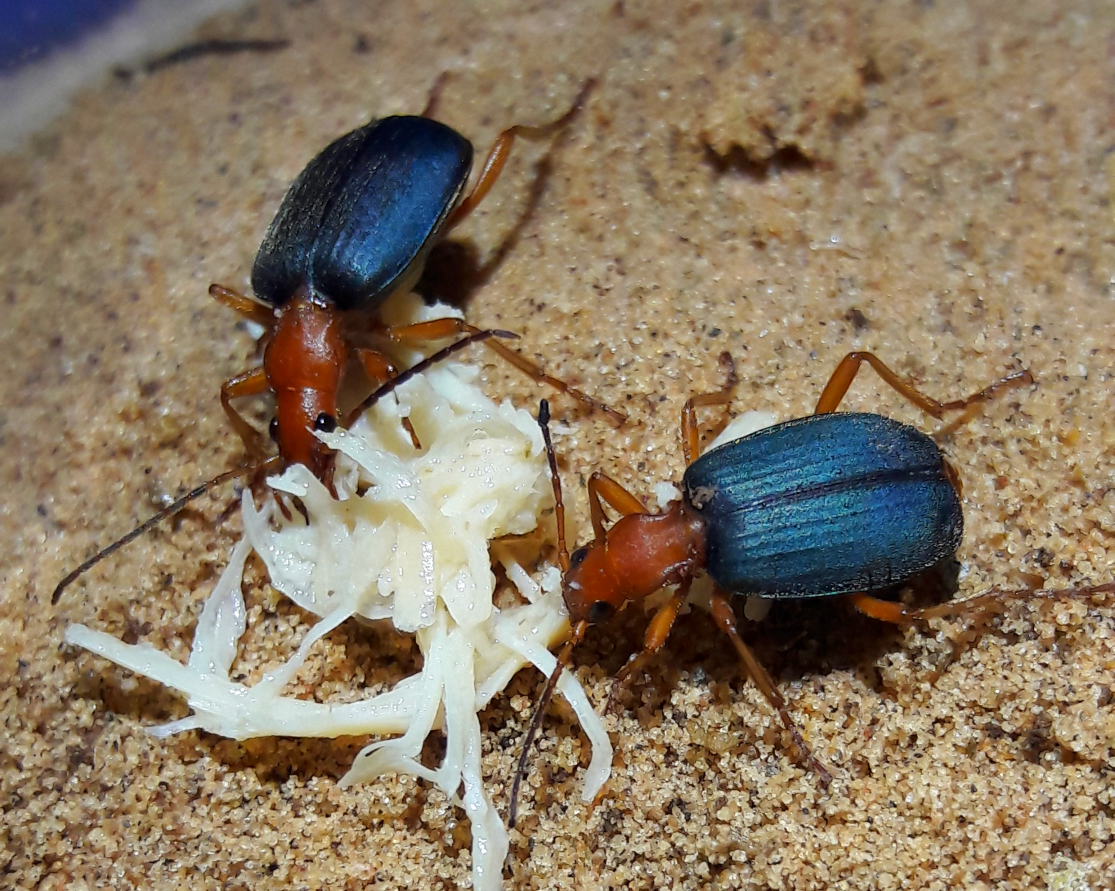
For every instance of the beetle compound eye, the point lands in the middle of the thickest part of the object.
(325, 423)
(273, 429)
(578, 557)
(601, 611)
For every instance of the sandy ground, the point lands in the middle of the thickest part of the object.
(788, 182)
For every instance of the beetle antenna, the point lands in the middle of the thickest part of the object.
(578, 631)
(539, 713)
(168, 511)
(440, 356)
(559, 505)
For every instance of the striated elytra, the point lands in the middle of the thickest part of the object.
(358, 222)
(823, 505)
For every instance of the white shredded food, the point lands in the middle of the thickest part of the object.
(413, 550)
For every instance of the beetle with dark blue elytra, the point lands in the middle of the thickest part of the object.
(355, 228)
(826, 505)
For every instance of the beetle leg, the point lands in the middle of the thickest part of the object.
(380, 370)
(690, 436)
(250, 383)
(501, 151)
(440, 329)
(725, 618)
(977, 611)
(996, 601)
(601, 486)
(246, 306)
(980, 610)
(489, 173)
(981, 607)
(845, 373)
(435, 329)
(657, 632)
(884, 610)
(555, 481)
(377, 366)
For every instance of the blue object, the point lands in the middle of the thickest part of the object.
(827, 504)
(359, 221)
(32, 29)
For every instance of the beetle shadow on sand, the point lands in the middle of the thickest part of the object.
(808, 638)
(454, 269)
(799, 640)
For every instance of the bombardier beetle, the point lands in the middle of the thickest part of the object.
(830, 504)
(355, 228)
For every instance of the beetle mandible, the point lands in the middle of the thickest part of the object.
(825, 505)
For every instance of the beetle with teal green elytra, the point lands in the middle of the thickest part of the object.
(827, 505)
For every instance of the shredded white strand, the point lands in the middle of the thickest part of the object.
(414, 550)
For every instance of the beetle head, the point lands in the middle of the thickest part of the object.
(592, 593)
